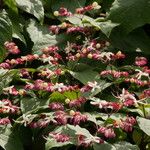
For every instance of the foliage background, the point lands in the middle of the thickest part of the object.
(124, 23)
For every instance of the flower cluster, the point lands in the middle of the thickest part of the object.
(59, 137)
(77, 117)
(62, 12)
(126, 125)
(102, 104)
(88, 141)
(78, 91)
(56, 106)
(114, 73)
(77, 102)
(49, 87)
(49, 73)
(12, 47)
(82, 10)
(107, 132)
(140, 61)
(7, 107)
(4, 121)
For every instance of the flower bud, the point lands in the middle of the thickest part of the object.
(56, 13)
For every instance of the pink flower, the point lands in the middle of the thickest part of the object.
(33, 125)
(101, 130)
(84, 9)
(78, 102)
(7, 107)
(64, 12)
(11, 90)
(131, 120)
(11, 47)
(76, 29)
(60, 117)
(24, 73)
(60, 137)
(147, 93)
(127, 125)
(114, 73)
(107, 132)
(87, 141)
(54, 29)
(77, 118)
(102, 104)
(5, 65)
(50, 49)
(4, 121)
(119, 55)
(141, 61)
(56, 106)
(129, 102)
(127, 98)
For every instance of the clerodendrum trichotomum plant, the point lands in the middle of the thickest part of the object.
(74, 75)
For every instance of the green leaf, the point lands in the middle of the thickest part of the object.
(5, 33)
(91, 117)
(117, 146)
(72, 95)
(102, 85)
(10, 140)
(125, 146)
(5, 78)
(57, 97)
(17, 25)
(84, 76)
(34, 7)
(75, 19)
(28, 104)
(104, 146)
(71, 5)
(130, 13)
(53, 143)
(137, 136)
(40, 36)
(12, 5)
(2, 53)
(107, 26)
(131, 42)
(144, 125)
(82, 72)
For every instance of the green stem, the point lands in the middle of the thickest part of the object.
(144, 112)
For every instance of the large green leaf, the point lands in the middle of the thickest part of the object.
(34, 7)
(5, 33)
(9, 140)
(84, 76)
(144, 125)
(137, 39)
(104, 146)
(5, 78)
(130, 13)
(117, 146)
(28, 104)
(12, 5)
(17, 25)
(82, 72)
(40, 36)
(125, 146)
(107, 26)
